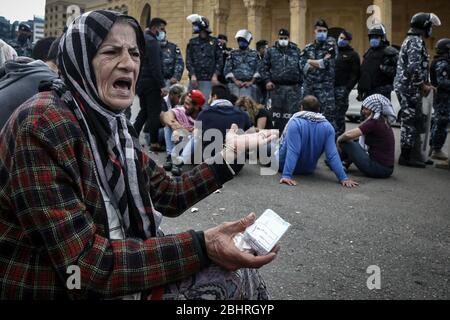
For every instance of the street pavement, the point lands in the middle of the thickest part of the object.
(401, 225)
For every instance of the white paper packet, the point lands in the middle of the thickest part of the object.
(262, 236)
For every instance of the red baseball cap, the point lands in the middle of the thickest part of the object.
(197, 97)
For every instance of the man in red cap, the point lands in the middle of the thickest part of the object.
(179, 125)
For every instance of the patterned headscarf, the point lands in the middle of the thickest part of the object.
(112, 138)
(380, 105)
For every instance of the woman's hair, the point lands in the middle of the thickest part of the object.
(250, 106)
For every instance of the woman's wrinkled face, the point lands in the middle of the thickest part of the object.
(116, 67)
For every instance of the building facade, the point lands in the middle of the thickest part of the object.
(264, 18)
(38, 29)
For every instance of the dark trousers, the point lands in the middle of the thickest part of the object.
(150, 102)
(353, 152)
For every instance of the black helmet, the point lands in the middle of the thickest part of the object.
(424, 22)
(377, 30)
(24, 27)
(199, 23)
(443, 46)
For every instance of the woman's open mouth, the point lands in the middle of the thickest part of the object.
(123, 84)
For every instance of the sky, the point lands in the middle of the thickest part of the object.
(21, 10)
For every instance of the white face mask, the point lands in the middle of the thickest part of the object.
(283, 43)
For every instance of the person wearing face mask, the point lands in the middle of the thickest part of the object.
(347, 76)
(440, 78)
(412, 83)
(241, 68)
(23, 44)
(379, 65)
(281, 72)
(151, 86)
(318, 64)
(173, 64)
(204, 57)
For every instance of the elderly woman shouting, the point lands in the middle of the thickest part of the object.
(77, 193)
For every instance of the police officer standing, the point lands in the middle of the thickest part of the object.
(261, 47)
(151, 86)
(282, 75)
(412, 83)
(347, 75)
(318, 64)
(242, 67)
(223, 44)
(379, 65)
(23, 44)
(440, 78)
(204, 58)
(173, 64)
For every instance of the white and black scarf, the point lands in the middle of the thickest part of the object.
(112, 138)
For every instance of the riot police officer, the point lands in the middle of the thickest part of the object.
(412, 83)
(440, 78)
(379, 65)
(281, 72)
(204, 58)
(347, 75)
(23, 44)
(318, 64)
(173, 64)
(242, 67)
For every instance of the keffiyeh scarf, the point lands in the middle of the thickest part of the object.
(379, 105)
(308, 115)
(113, 140)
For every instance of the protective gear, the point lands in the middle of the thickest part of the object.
(377, 30)
(245, 34)
(283, 43)
(24, 27)
(374, 43)
(342, 43)
(197, 97)
(321, 36)
(161, 36)
(199, 23)
(243, 44)
(424, 22)
(443, 46)
(283, 32)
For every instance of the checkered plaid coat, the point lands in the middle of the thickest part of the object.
(52, 214)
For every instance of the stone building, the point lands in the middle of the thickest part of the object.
(264, 18)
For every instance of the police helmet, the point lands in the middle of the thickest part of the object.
(24, 27)
(425, 21)
(377, 30)
(443, 46)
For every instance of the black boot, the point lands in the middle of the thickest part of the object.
(168, 164)
(405, 159)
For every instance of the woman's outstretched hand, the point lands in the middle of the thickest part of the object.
(246, 142)
(223, 252)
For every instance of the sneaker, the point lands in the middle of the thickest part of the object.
(168, 164)
(438, 154)
(443, 165)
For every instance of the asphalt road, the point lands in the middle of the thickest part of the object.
(401, 225)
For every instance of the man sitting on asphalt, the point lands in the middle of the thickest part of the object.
(307, 135)
(214, 121)
(179, 125)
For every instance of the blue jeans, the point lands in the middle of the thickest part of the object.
(187, 152)
(353, 152)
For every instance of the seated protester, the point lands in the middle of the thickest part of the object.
(215, 120)
(375, 133)
(307, 135)
(21, 80)
(77, 190)
(259, 115)
(179, 124)
(173, 98)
